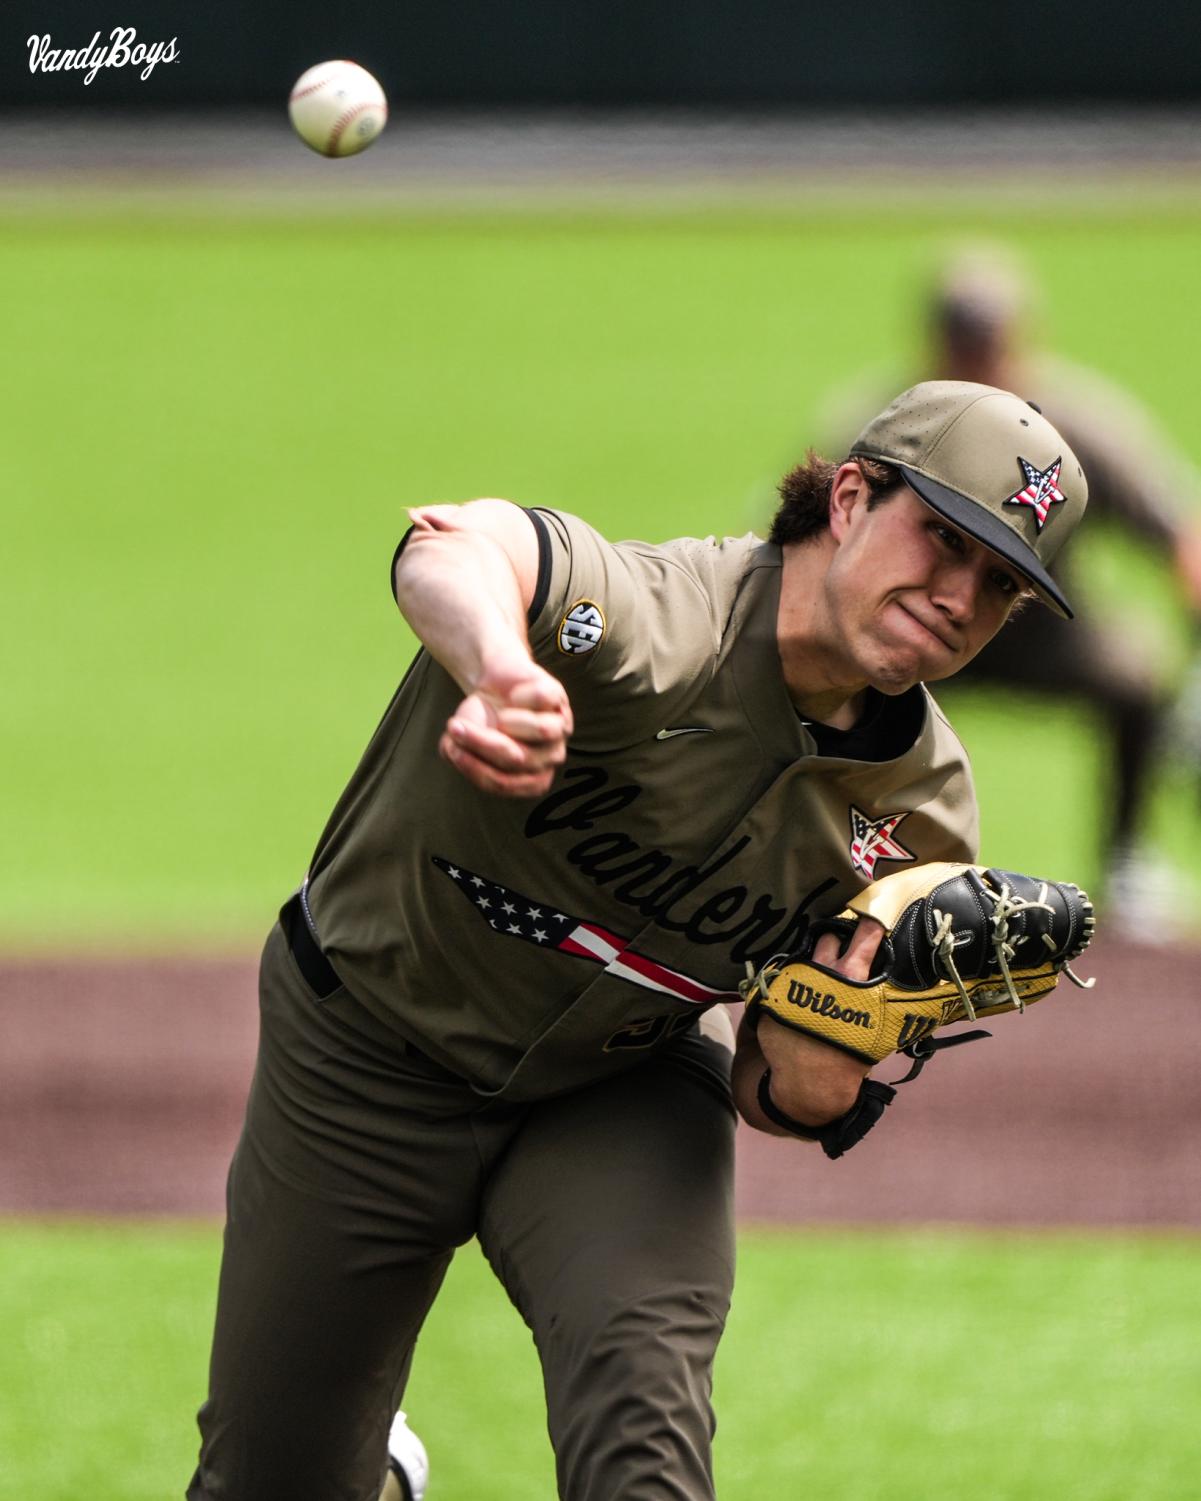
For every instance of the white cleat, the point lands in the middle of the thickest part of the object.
(1148, 898)
(407, 1459)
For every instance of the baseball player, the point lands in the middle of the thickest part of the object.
(614, 777)
(977, 316)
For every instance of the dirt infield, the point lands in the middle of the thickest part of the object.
(122, 1083)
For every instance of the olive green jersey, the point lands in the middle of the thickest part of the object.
(532, 946)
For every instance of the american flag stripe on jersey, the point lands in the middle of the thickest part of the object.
(509, 913)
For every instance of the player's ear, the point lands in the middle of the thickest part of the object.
(848, 492)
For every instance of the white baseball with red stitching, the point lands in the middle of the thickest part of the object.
(337, 108)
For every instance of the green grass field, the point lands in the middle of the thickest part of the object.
(866, 1367)
(212, 428)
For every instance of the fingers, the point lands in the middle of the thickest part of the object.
(543, 695)
(488, 777)
(504, 751)
(508, 750)
(825, 950)
(524, 685)
(856, 963)
(533, 727)
(509, 736)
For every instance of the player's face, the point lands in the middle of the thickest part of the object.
(912, 598)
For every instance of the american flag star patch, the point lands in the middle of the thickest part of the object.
(872, 840)
(1041, 490)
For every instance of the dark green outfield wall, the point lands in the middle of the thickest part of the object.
(702, 53)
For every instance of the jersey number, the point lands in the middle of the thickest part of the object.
(646, 1033)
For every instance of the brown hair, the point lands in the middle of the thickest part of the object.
(805, 495)
(805, 504)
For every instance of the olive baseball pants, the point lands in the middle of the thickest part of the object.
(606, 1214)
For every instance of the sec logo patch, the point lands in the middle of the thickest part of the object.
(582, 628)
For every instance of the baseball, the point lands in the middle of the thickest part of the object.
(337, 108)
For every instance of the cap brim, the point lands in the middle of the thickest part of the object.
(992, 532)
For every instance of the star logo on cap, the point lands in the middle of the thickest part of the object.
(1041, 490)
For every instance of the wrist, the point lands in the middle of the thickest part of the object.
(500, 663)
(839, 1135)
(813, 1082)
(780, 1117)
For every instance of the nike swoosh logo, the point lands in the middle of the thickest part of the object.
(690, 730)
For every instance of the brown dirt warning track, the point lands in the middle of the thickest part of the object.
(122, 1085)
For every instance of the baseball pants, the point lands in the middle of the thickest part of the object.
(606, 1214)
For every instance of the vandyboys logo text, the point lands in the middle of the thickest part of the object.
(121, 50)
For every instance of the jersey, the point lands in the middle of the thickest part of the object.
(532, 947)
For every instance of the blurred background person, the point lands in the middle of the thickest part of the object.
(980, 326)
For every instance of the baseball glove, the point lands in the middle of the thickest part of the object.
(960, 941)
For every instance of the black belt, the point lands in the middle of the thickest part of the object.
(319, 974)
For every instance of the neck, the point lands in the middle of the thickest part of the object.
(832, 709)
(820, 684)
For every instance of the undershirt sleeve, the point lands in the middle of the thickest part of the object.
(542, 584)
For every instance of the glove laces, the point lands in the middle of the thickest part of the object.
(757, 983)
(1005, 906)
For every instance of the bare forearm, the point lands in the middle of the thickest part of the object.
(811, 1082)
(464, 581)
(748, 1069)
(458, 589)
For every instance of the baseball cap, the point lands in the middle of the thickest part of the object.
(992, 465)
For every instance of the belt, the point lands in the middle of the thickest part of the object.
(319, 974)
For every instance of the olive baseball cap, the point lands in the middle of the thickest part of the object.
(992, 465)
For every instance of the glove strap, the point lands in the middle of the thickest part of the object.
(774, 1113)
(925, 1048)
(836, 1136)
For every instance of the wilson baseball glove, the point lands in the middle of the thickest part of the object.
(960, 942)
